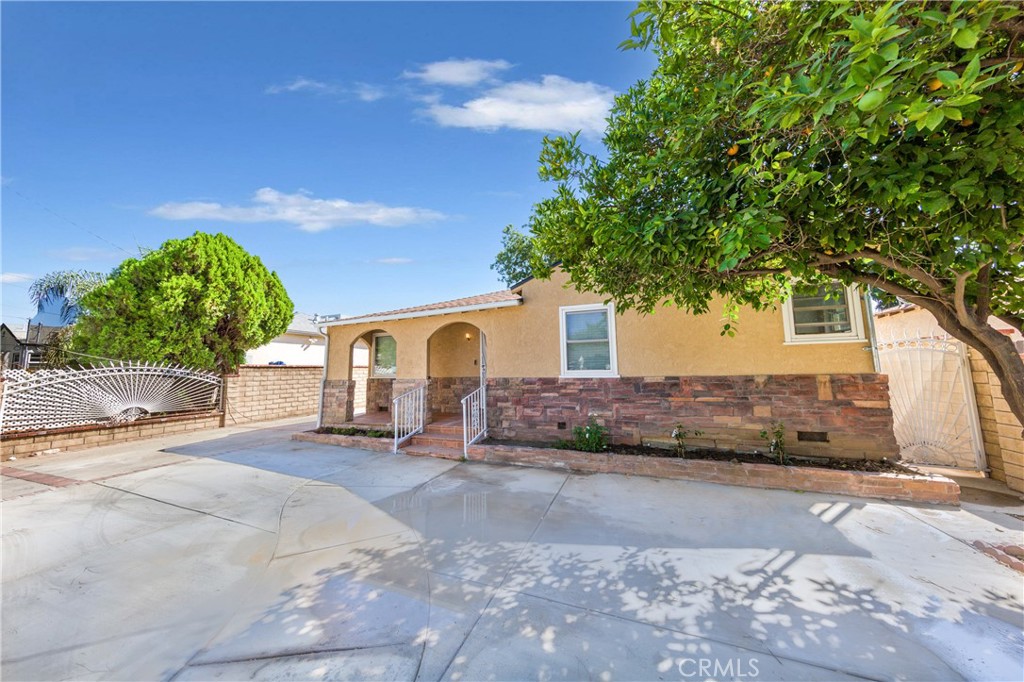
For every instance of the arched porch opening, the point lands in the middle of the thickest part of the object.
(456, 366)
(374, 363)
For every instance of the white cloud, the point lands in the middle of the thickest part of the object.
(80, 254)
(368, 93)
(302, 84)
(462, 72)
(393, 261)
(300, 209)
(364, 92)
(15, 277)
(555, 104)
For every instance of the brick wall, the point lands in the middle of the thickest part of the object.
(96, 435)
(919, 488)
(852, 409)
(261, 392)
(1000, 430)
(378, 395)
(445, 394)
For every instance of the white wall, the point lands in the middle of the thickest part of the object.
(291, 349)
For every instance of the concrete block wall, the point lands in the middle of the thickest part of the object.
(851, 411)
(96, 435)
(1000, 430)
(266, 392)
(359, 377)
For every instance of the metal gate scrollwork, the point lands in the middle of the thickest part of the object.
(110, 394)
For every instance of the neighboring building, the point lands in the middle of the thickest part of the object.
(551, 357)
(301, 344)
(948, 404)
(27, 352)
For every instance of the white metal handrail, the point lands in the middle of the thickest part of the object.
(407, 410)
(474, 418)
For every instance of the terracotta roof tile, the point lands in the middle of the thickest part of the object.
(479, 299)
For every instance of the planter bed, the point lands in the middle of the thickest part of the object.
(382, 444)
(907, 487)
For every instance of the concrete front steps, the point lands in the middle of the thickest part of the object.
(440, 438)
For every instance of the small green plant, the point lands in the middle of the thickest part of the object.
(590, 438)
(775, 437)
(353, 431)
(681, 433)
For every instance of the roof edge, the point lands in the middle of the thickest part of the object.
(423, 313)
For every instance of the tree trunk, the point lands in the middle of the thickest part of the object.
(997, 349)
(961, 323)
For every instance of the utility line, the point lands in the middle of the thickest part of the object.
(71, 222)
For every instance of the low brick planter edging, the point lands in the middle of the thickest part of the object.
(902, 487)
(361, 442)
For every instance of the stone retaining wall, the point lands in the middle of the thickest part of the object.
(850, 412)
(265, 392)
(96, 435)
(907, 488)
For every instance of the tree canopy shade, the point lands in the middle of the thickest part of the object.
(201, 302)
(799, 142)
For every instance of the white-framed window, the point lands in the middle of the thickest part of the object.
(384, 355)
(832, 314)
(587, 337)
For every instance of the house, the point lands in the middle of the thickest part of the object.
(301, 344)
(549, 358)
(947, 402)
(28, 352)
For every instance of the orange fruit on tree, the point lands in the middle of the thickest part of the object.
(733, 150)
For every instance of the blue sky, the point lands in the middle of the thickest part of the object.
(370, 153)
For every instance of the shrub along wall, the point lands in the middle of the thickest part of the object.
(837, 415)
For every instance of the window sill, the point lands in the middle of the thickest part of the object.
(807, 342)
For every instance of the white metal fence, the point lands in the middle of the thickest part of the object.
(474, 418)
(408, 411)
(112, 394)
(934, 411)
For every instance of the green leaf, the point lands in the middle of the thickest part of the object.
(934, 119)
(871, 100)
(965, 38)
(890, 51)
(971, 72)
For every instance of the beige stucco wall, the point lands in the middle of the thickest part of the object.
(523, 341)
(454, 351)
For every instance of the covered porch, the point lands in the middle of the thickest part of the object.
(427, 366)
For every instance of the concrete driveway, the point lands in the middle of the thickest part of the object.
(240, 554)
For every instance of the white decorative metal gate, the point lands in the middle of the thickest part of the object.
(53, 399)
(933, 405)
